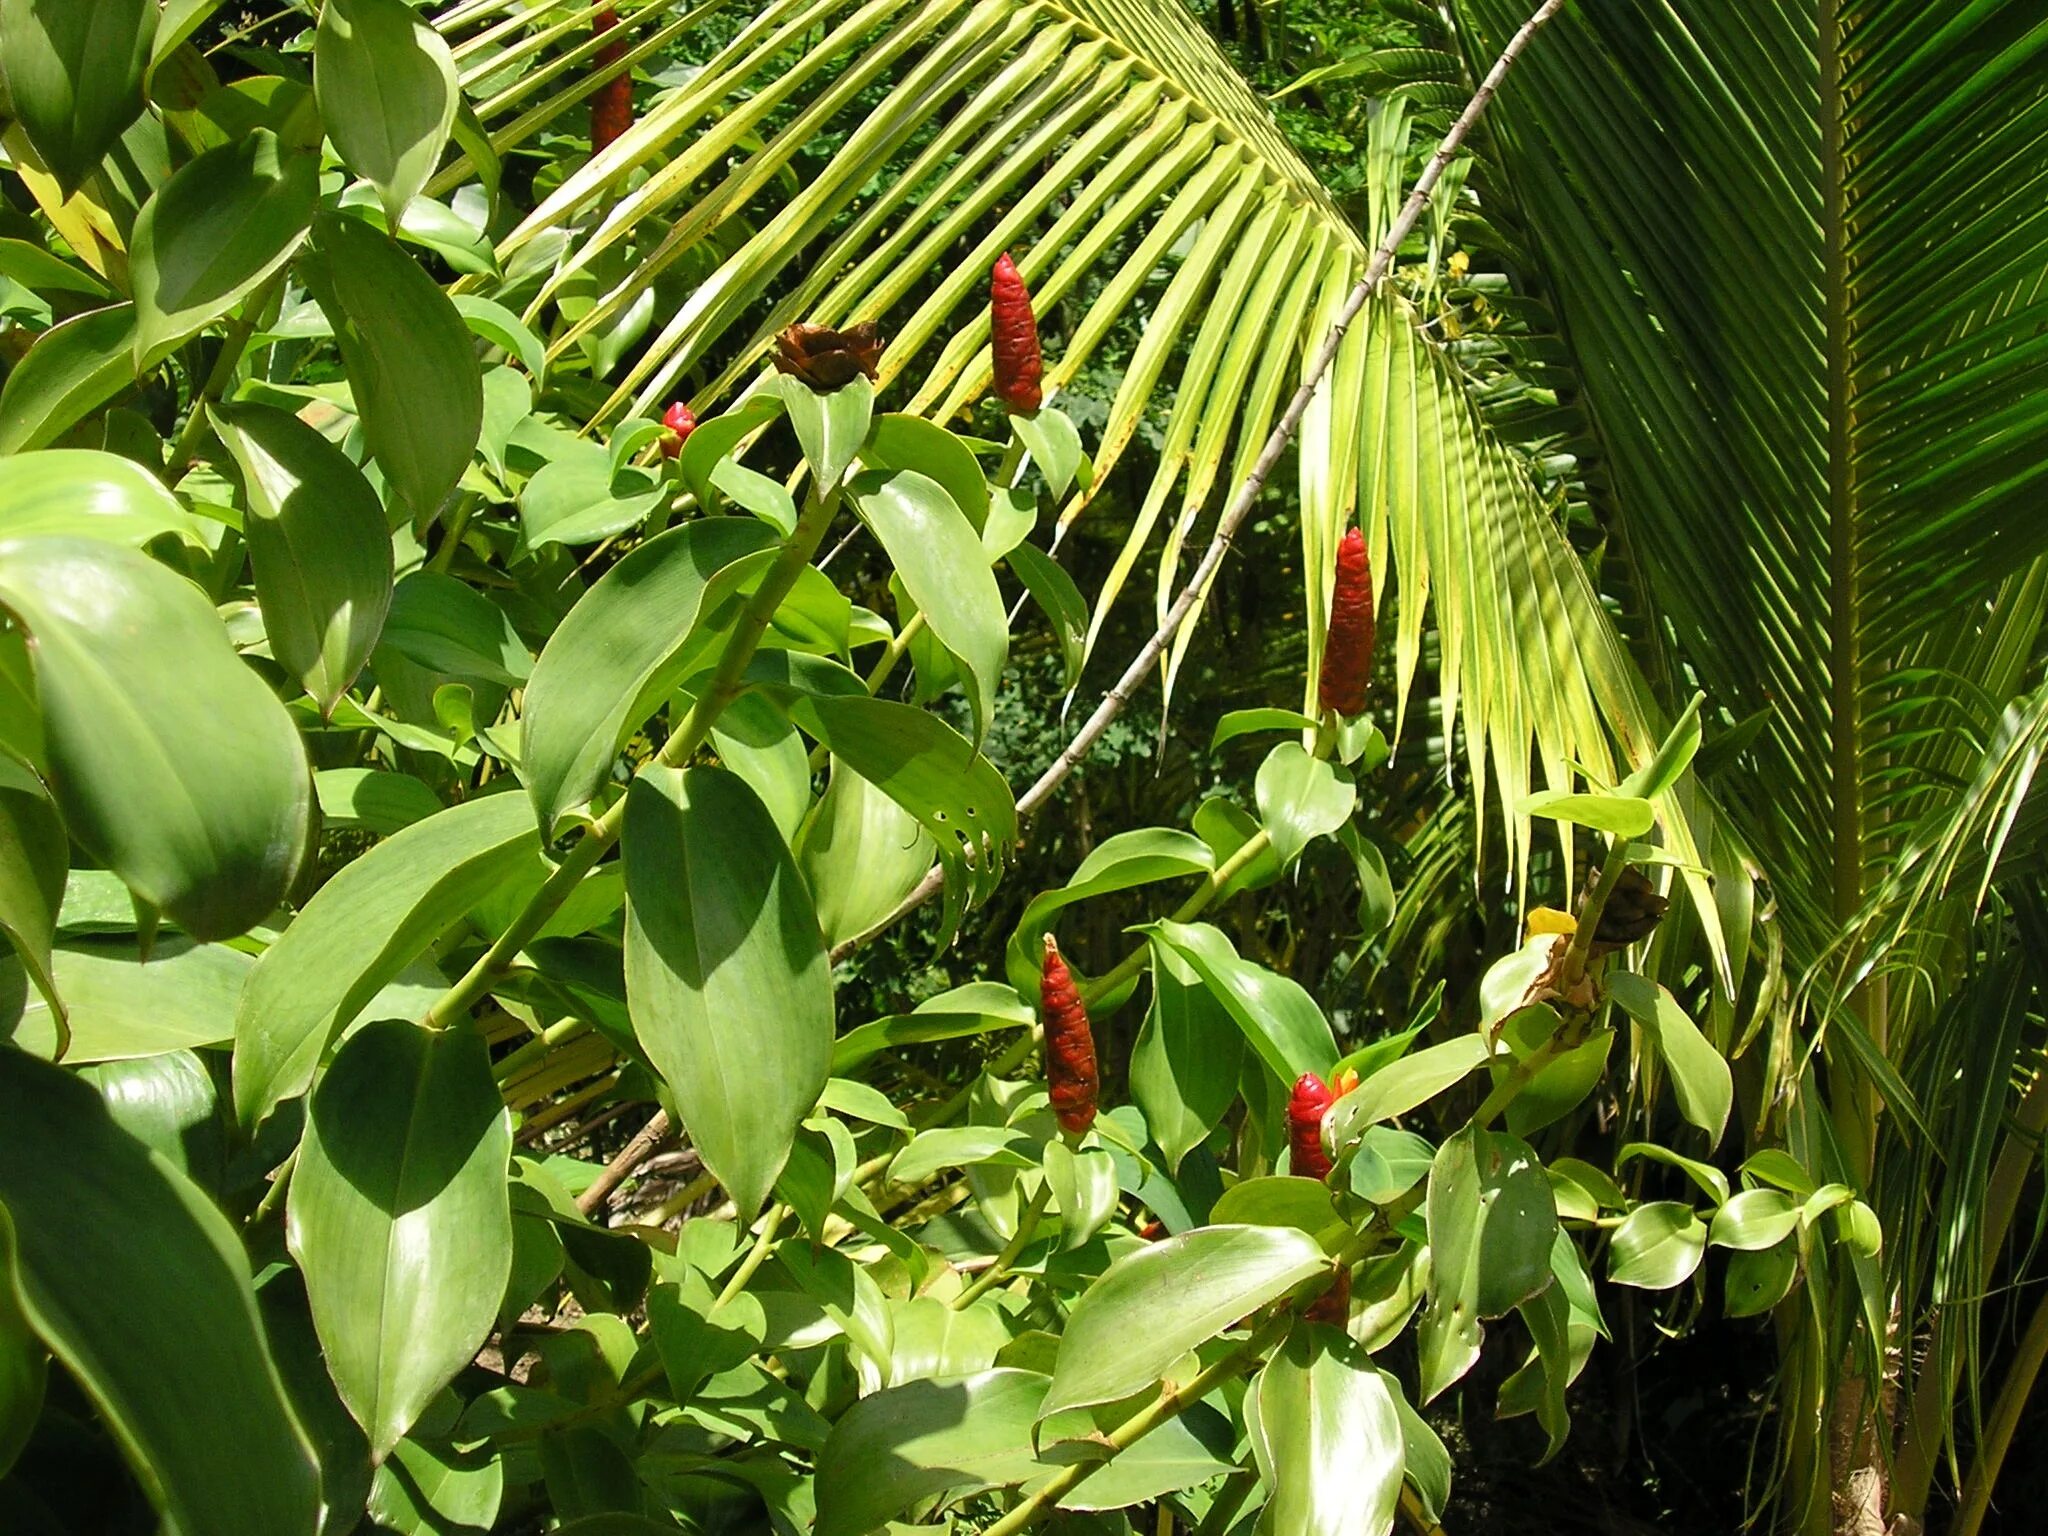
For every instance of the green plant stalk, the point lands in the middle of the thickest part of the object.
(1581, 949)
(1196, 903)
(232, 346)
(2013, 1393)
(757, 1255)
(725, 686)
(1168, 1405)
(1027, 1228)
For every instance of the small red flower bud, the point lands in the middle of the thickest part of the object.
(1306, 1106)
(1069, 1045)
(680, 421)
(1013, 339)
(1347, 648)
(611, 108)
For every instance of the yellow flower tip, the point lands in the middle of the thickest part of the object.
(1547, 920)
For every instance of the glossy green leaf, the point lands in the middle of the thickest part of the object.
(1158, 1302)
(24, 1363)
(81, 492)
(504, 330)
(1758, 1281)
(141, 1288)
(620, 651)
(577, 498)
(184, 998)
(1327, 1438)
(900, 441)
(1619, 815)
(74, 75)
(1753, 1220)
(35, 853)
(387, 91)
(1711, 1180)
(1301, 798)
(1492, 1220)
(960, 1146)
(208, 826)
(1118, 863)
(432, 1490)
(317, 538)
(1403, 1085)
(1280, 1021)
(1658, 1246)
(726, 974)
(1054, 444)
(1251, 722)
(861, 853)
(1186, 1062)
(72, 370)
(938, 557)
(448, 626)
(1084, 1190)
(1059, 600)
(399, 1218)
(1700, 1078)
(980, 1007)
(1276, 1201)
(376, 916)
(830, 428)
(412, 366)
(1674, 755)
(766, 498)
(169, 1104)
(212, 233)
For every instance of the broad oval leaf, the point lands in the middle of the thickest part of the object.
(1700, 1078)
(1155, 1304)
(412, 366)
(861, 853)
(620, 652)
(1619, 815)
(318, 540)
(939, 558)
(726, 975)
(1492, 1222)
(1301, 798)
(72, 370)
(1061, 602)
(1327, 1437)
(74, 76)
(1186, 1062)
(386, 86)
(1658, 1246)
(363, 927)
(400, 1217)
(207, 825)
(119, 1007)
(1754, 1220)
(221, 225)
(1279, 1019)
(1403, 1085)
(84, 493)
(142, 1289)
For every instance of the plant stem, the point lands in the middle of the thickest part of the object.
(1203, 894)
(2013, 1393)
(1581, 949)
(232, 345)
(1168, 1405)
(1027, 1228)
(279, 1183)
(756, 1256)
(725, 685)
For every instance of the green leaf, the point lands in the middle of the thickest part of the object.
(386, 86)
(72, 370)
(718, 438)
(1699, 1074)
(1300, 799)
(74, 76)
(399, 1217)
(1753, 1220)
(1280, 1020)
(1657, 1247)
(1709, 1178)
(318, 541)
(960, 1146)
(1388, 1163)
(1276, 1201)
(184, 998)
(939, 559)
(1403, 1085)
(910, 1442)
(1186, 1063)
(757, 493)
(505, 330)
(168, 1103)
(207, 825)
(758, 743)
(432, 1490)
(1249, 722)
(1492, 1220)
(1674, 755)
(141, 1288)
(1118, 863)
(88, 494)
(620, 651)
(24, 1363)
(1054, 444)
(448, 626)
(373, 918)
(861, 853)
(1427, 1461)
(1059, 600)
(412, 367)
(899, 441)
(216, 230)
(576, 498)
(1327, 1438)
(830, 428)
(726, 973)
(1619, 815)
(1757, 1282)
(35, 853)
(1156, 1303)
(1084, 1188)
(980, 1007)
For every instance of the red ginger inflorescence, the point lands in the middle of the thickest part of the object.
(678, 422)
(611, 109)
(1306, 1106)
(1347, 649)
(1069, 1045)
(1013, 339)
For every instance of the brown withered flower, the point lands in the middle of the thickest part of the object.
(826, 359)
(1633, 909)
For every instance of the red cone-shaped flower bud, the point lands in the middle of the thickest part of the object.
(680, 421)
(611, 108)
(1347, 649)
(1013, 338)
(1306, 1106)
(1069, 1045)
